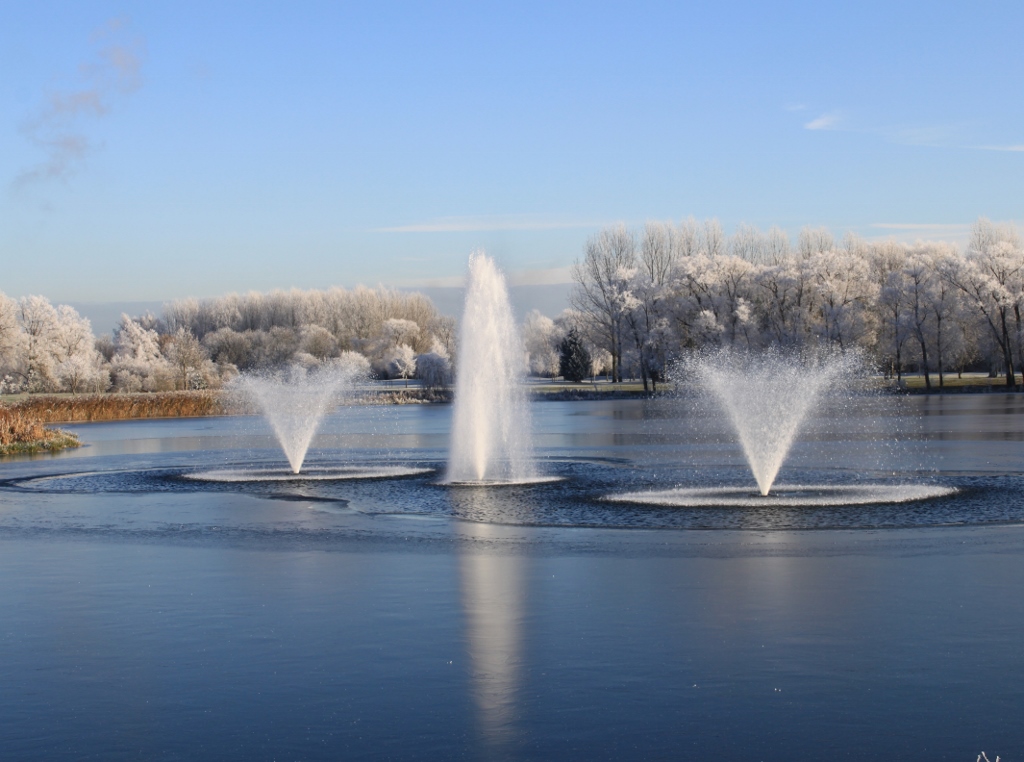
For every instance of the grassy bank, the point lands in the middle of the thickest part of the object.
(75, 408)
(23, 433)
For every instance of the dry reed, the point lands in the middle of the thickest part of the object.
(21, 432)
(119, 407)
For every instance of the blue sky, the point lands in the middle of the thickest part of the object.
(151, 151)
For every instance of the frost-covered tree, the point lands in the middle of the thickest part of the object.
(945, 304)
(601, 290)
(433, 369)
(227, 346)
(318, 341)
(353, 365)
(77, 365)
(11, 340)
(647, 298)
(138, 363)
(891, 311)
(401, 362)
(815, 241)
(192, 366)
(990, 277)
(844, 294)
(39, 329)
(541, 338)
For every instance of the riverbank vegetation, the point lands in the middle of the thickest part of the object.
(22, 432)
(640, 298)
(77, 408)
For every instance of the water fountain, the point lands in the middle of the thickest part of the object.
(766, 398)
(491, 418)
(294, 402)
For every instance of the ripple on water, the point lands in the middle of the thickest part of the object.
(246, 475)
(785, 496)
(591, 493)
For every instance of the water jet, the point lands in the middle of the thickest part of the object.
(491, 425)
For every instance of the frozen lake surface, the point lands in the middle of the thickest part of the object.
(152, 608)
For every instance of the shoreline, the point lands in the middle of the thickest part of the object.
(86, 408)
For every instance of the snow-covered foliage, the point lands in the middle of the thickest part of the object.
(640, 297)
(138, 364)
(542, 338)
(644, 295)
(400, 362)
(433, 369)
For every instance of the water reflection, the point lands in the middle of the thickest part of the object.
(493, 599)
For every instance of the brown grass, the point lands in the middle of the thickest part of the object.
(118, 407)
(21, 432)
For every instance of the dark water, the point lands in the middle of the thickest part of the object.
(147, 616)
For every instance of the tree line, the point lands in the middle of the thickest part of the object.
(642, 296)
(196, 344)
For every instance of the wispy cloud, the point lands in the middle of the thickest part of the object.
(58, 127)
(828, 121)
(1013, 149)
(487, 224)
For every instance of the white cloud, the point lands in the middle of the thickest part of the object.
(827, 121)
(1014, 149)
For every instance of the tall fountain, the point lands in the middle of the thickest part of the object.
(491, 425)
(295, 401)
(767, 397)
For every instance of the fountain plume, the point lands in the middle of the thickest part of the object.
(295, 401)
(491, 418)
(767, 397)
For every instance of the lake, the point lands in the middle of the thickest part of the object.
(153, 610)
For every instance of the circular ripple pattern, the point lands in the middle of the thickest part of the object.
(579, 498)
(786, 496)
(236, 475)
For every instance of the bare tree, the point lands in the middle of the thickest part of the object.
(990, 278)
(600, 290)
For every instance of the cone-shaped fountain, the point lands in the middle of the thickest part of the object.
(491, 418)
(767, 397)
(295, 401)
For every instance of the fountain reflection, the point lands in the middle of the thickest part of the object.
(493, 601)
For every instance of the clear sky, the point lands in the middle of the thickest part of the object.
(159, 150)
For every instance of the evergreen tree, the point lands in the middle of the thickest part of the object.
(574, 359)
